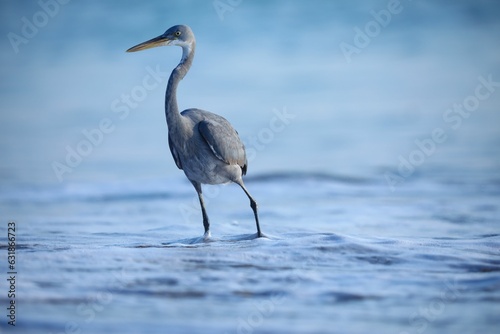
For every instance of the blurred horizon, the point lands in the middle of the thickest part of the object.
(66, 78)
(372, 134)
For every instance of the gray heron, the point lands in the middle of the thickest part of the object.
(203, 144)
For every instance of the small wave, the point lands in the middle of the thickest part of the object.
(158, 189)
(94, 192)
(345, 297)
(306, 176)
(203, 241)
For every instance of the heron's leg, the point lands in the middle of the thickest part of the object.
(206, 222)
(253, 204)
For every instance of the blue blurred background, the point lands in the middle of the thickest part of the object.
(372, 133)
(353, 113)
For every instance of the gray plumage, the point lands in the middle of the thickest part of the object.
(204, 145)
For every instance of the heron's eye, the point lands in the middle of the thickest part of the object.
(177, 33)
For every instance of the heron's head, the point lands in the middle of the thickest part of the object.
(180, 35)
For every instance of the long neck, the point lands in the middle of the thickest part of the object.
(171, 107)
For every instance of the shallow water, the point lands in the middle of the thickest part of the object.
(341, 255)
(373, 225)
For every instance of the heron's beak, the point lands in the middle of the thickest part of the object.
(152, 43)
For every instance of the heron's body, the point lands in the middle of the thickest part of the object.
(203, 144)
(199, 155)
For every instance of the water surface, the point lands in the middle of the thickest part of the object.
(380, 201)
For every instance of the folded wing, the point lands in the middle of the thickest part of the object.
(224, 141)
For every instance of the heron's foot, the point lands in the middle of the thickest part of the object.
(207, 236)
(261, 235)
